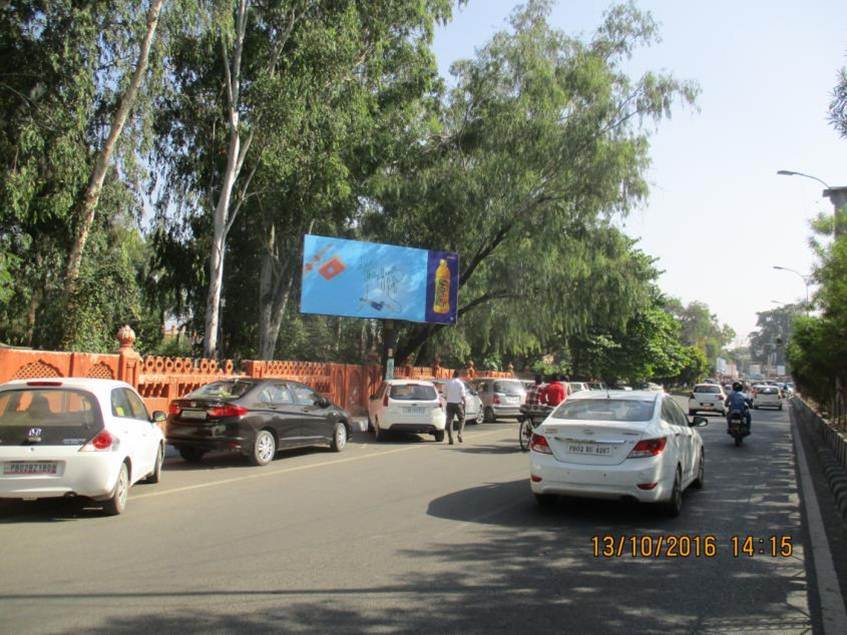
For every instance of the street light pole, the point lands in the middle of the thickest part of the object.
(836, 195)
(805, 280)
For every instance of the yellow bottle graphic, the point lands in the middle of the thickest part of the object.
(442, 288)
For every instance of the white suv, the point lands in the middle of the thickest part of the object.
(406, 405)
(708, 397)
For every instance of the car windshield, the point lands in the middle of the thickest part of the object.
(708, 389)
(229, 389)
(413, 392)
(509, 387)
(769, 391)
(55, 416)
(605, 410)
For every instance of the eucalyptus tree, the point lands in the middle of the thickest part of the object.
(265, 108)
(543, 139)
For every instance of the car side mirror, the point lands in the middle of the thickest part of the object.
(322, 402)
(159, 417)
(699, 422)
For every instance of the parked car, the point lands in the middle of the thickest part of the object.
(69, 437)
(256, 418)
(407, 405)
(473, 404)
(628, 445)
(768, 397)
(708, 397)
(577, 386)
(597, 385)
(500, 397)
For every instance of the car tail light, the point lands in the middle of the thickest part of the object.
(385, 400)
(103, 442)
(495, 399)
(43, 383)
(229, 410)
(174, 409)
(648, 447)
(539, 444)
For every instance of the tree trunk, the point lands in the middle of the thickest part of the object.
(234, 162)
(274, 293)
(91, 196)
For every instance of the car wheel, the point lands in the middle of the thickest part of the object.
(546, 500)
(755, 407)
(156, 474)
(339, 437)
(701, 473)
(117, 503)
(439, 436)
(738, 441)
(480, 417)
(264, 448)
(673, 506)
(488, 415)
(192, 455)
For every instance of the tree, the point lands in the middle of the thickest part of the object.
(838, 105)
(701, 328)
(537, 146)
(774, 328)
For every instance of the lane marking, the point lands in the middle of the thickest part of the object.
(833, 614)
(298, 468)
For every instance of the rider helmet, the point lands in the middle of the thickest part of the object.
(737, 387)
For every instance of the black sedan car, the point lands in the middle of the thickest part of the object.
(255, 417)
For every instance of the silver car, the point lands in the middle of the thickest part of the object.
(501, 397)
(473, 404)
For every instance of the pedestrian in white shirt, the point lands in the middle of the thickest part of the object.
(455, 393)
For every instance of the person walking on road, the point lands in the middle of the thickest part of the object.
(455, 393)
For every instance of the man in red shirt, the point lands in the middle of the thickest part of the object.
(554, 392)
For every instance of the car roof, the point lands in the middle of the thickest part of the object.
(633, 395)
(89, 383)
(404, 382)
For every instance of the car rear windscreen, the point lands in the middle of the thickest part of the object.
(768, 390)
(229, 389)
(413, 392)
(48, 417)
(708, 389)
(509, 387)
(605, 410)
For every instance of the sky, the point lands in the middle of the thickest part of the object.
(719, 218)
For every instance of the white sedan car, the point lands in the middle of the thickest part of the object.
(70, 437)
(635, 445)
(407, 405)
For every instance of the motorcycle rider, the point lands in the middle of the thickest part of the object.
(736, 401)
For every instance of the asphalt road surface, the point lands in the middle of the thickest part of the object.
(409, 535)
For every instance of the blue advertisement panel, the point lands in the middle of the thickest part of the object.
(370, 280)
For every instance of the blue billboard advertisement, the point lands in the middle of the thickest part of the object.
(370, 280)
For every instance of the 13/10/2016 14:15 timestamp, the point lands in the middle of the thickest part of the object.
(689, 546)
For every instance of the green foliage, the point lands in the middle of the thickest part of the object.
(774, 329)
(838, 105)
(701, 328)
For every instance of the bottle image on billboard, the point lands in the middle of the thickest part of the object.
(442, 288)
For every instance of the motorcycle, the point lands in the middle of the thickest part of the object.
(530, 418)
(738, 428)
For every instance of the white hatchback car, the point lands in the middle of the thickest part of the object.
(708, 397)
(635, 445)
(767, 397)
(406, 405)
(69, 437)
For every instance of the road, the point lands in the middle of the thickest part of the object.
(408, 535)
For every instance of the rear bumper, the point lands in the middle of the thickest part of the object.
(601, 481)
(92, 475)
(422, 428)
(209, 445)
(506, 410)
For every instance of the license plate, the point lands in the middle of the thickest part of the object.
(193, 414)
(44, 467)
(590, 449)
(512, 399)
(414, 410)
(707, 405)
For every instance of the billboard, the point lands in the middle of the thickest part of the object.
(370, 280)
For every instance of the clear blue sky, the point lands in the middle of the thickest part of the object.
(717, 209)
